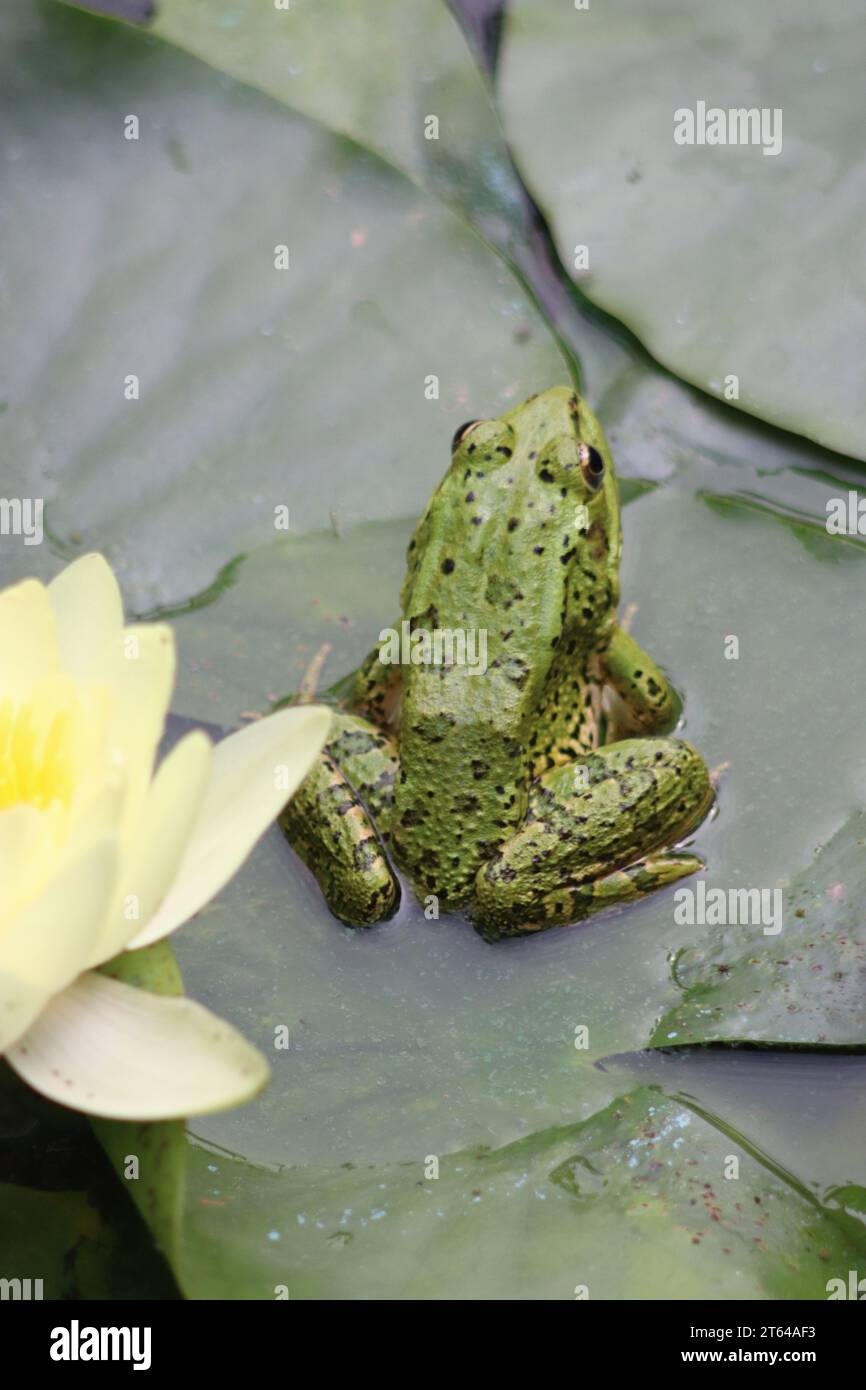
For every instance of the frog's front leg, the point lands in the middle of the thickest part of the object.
(330, 821)
(375, 689)
(595, 834)
(650, 700)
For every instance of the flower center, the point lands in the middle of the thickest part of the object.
(37, 763)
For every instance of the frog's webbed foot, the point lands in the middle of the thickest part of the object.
(595, 835)
(329, 822)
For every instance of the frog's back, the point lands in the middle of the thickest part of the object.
(492, 563)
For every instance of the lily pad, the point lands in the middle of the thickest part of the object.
(156, 1180)
(417, 68)
(804, 1107)
(803, 986)
(329, 597)
(400, 79)
(633, 1203)
(65, 1221)
(309, 389)
(724, 260)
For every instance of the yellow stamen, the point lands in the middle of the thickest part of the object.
(37, 754)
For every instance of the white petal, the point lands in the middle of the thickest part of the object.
(108, 1049)
(50, 942)
(20, 1002)
(159, 841)
(137, 666)
(96, 817)
(28, 639)
(89, 611)
(23, 856)
(255, 771)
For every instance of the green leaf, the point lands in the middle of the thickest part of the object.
(801, 987)
(157, 1183)
(259, 388)
(723, 260)
(356, 70)
(328, 596)
(62, 1239)
(65, 1221)
(307, 57)
(632, 1203)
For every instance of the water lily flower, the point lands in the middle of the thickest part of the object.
(99, 853)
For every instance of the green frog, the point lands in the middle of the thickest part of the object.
(504, 744)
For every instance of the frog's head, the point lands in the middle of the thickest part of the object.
(537, 489)
(561, 438)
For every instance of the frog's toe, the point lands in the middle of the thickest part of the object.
(494, 914)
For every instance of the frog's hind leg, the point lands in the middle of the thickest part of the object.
(621, 886)
(330, 822)
(596, 834)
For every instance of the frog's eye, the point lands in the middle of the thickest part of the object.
(461, 432)
(591, 466)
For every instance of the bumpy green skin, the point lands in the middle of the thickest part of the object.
(330, 825)
(482, 797)
(578, 840)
